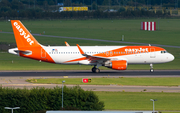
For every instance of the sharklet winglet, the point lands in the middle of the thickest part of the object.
(67, 44)
(81, 51)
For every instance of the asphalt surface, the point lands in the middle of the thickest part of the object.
(17, 79)
(82, 73)
(99, 40)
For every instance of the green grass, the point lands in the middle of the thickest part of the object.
(140, 100)
(133, 81)
(99, 29)
(105, 29)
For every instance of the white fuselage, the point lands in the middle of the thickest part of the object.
(63, 54)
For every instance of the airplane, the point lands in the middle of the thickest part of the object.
(114, 57)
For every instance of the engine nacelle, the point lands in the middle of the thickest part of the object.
(117, 64)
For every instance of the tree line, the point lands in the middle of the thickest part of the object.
(46, 9)
(42, 99)
(38, 14)
(89, 2)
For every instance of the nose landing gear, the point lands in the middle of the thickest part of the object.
(151, 68)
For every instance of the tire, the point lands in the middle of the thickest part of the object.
(151, 70)
(93, 69)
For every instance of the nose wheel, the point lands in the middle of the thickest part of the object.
(95, 70)
(151, 68)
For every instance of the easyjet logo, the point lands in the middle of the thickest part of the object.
(137, 50)
(22, 33)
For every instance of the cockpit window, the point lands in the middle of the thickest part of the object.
(163, 51)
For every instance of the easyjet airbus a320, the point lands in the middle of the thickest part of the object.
(114, 57)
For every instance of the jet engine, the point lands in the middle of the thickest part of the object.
(116, 64)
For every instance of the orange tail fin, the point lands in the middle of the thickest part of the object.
(22, 35)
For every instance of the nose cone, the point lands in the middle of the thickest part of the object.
(170, 57)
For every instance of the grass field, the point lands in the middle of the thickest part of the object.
(133, 81)
(168, 33)
(140, 101)
(99, 29)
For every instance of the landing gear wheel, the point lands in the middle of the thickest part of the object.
(93, 69)
(151, 70)
(97, 70)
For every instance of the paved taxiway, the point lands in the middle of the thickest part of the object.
(99, 40)
(17, 79)
(88, 73)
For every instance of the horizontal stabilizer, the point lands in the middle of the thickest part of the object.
(23, 52)
(17, 52)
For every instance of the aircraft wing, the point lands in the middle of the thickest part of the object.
(91, 58)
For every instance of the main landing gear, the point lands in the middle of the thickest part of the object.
(151, 68)
(95, 70)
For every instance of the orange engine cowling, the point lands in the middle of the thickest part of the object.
(117, 64)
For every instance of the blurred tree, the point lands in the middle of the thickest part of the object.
(17, 5)
(94, 5)
(67, 3)
(107, 2)
(51, 2)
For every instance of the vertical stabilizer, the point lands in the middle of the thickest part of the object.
(23, 37)
(27, 45)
